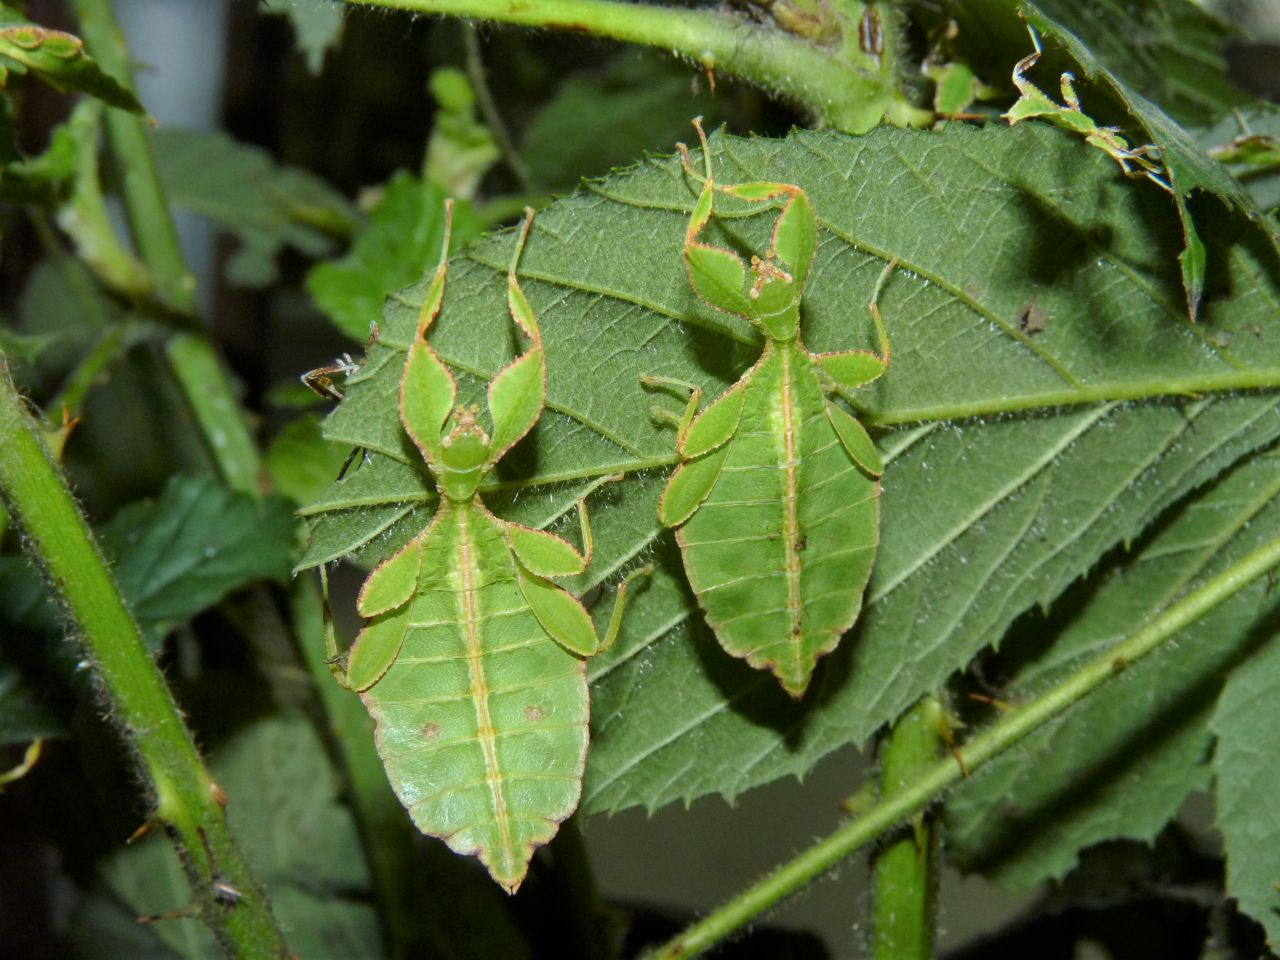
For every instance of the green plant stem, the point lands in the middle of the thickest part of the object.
(198, 370)
(194, 361)
(850, 96)
(904, 871)
(383, 821)
(149, 218)
(68, 401)
(941, 776)
(187, 801)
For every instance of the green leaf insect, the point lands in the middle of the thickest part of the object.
(1034, 102)
(776, 501)
(472, 659)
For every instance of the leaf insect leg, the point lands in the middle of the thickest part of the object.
(335, 660)
(674, 385)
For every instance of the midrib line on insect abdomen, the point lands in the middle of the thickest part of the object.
(479, 684)
(790, 524)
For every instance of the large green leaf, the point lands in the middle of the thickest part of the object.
(241, 188)
(171, 557)
(301, 841)
(1247, 767)
(1042, 406)
(1120, 763)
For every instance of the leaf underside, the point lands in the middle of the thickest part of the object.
(1016, 455)
(1120, 763)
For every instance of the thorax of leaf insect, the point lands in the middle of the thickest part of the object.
(775, 299)
(466, 452)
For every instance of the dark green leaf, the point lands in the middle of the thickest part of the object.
(1017, 454)
(185, 551)
(1247, 768)
(240, 187)
(1121, 763)
(1169, 51)
(401, 242)
(59, 59)
(593, 122)
(22, 717)
(1188, 167)
(44, 178)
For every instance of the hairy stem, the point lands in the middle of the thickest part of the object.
(904, 871)
(187, 801)
(848, 95)
(912, 799)
(194, 362)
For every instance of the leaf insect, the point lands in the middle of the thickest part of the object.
(776, 499)
(1034, 102)
(472, 660)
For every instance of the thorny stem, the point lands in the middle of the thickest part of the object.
(914, 798)
(194, 362)
(847, 92)
(187, 801)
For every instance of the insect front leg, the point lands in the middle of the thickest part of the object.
(850, 369)
(663, 415)
(435, 293)
(518, 393)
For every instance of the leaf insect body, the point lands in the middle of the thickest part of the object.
(1034, 102)
(776, 499)
(472, 659)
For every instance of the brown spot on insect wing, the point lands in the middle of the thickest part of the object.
(533, 713)
(430, 731)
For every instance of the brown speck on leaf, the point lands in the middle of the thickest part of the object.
(801, 543)
(533, 713)
(430, 731)
(1032, 318)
